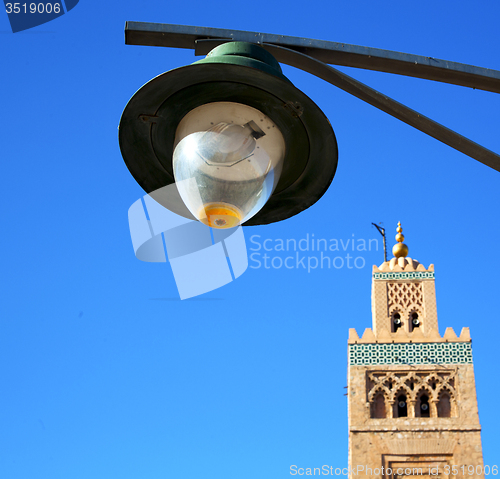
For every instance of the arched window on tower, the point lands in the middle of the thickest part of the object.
(378, 406)
(414, 321)
(423, 406)
(444, 406)
(396, 322)
(401, 406)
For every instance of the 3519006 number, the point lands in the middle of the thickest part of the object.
(33, 7)
(470, 470)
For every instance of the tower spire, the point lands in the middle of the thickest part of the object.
(400, 250)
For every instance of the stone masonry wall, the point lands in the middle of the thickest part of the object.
(417, 441)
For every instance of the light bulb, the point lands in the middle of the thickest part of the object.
(234, 154)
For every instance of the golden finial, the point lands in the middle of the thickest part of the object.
(400, 250)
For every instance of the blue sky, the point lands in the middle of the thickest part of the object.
(105, 372)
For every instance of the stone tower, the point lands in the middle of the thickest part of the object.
(411, 393)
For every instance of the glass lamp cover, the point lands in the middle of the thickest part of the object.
(233, 156)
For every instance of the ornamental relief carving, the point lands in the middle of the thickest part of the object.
(412, 393)
(404, 297)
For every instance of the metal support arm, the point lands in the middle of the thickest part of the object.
(387, 104)
(343, 54)
(311, 55)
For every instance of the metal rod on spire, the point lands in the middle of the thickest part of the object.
(381, 230)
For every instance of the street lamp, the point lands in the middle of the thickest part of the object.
(242, 144)
(258, 149)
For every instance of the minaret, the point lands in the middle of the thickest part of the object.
(411, 393)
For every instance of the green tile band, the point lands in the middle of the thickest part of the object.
(407, 275)
(410, 353)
